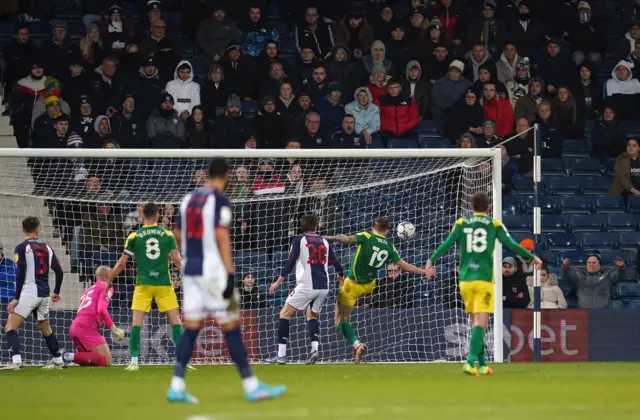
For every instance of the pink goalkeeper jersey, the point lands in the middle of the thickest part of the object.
(93, 310)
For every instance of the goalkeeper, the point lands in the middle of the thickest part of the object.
(477, 234)
(373, 252)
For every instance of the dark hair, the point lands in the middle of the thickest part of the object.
(30, 224)
(348, 116)
(218, 168)
(150, 210)
(185, 66)
(292, 140)
(308, 223)
(381, 224)
(480, 202)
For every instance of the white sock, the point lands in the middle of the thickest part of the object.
(16, 359)
(134, 360)
(68, 357)
(250, 384)
(356, 344)
(58, 360)
(177, 384)
(282, 350)
(314, 346)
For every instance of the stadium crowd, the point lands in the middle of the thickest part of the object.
(336, 74)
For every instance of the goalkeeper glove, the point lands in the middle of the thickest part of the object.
(228, 291)
(117, 332)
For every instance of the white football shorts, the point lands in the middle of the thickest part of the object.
(302, 296)
(202, 296)
(32, 304)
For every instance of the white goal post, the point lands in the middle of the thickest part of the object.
(88, 202)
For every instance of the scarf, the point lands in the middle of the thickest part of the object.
(115, 26)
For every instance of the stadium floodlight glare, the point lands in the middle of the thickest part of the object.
(87, 201)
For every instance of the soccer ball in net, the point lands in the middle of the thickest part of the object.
(405, 230)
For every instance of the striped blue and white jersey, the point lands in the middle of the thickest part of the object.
(201, 212)
(311, 255)
(35, 260)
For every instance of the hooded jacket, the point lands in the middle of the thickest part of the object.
(593, 289)
(419, 89)
(615, 86)
(185, 92)
(341, 71)
(106, 91)
(39, 108)
(506, 71)
(256, 35)
(366, 118)
(97, 140)
(25, 94)
(445, 94)
(361, 37)
(321, 39)
(146, 88)
(472, 67)
(165, 130)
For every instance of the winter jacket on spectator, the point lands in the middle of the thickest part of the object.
(303, 70)
(551, 296)
(507, 71)
(452, 18)
(57, 56)
(43, 135)
(472, 67)
(359, 38)
(566, 114)
(398, 115)
(445, 94)
(630, 13)
(116, 35)
(593, 289)
(331, 114)
(186, 93)
(622, 180)
(521, 150)
(164, 54)
(319, 140)
(74, 88)
(368, 117)
(500, 111)
(18, 57)
(341, 71)
(200, 136)
(146, 88)
(607, 139)
(419, 89)
(83, 125)
(165, 129)
(238, 76)
(514, 288)
(550, 138)
(384, 23)
(232, 130)
(621, 93)
(462, 118)
(527, 105)
(626, 45)
(270, 55)
(367, 63)
(555, 71)
(509, 174)
(39, 108)
(271, 129)
(584, 33)
(106, 91)
(255, 35)
(497, 33)
(214, 36)
(377, 89)
(214, 95)
(320, 39)
(130, 129)
(436, 69)
(400, 52)
(526, 32)
(588, 94)
(343, 140)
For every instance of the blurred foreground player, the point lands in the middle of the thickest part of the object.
(35, 260)
(208, 278)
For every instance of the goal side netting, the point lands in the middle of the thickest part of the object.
(89, 201)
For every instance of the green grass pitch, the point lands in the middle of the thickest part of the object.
(391, 392)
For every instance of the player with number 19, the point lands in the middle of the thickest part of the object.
(153, 247)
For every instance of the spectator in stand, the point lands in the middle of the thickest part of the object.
(43, 132)
(509, 171)
(165, 128)
(83, 122)
(215, 91)
(107, 87)
(52, 87)
(485, 76)
(216, 32)
(417, 88)
(238, 73)
(347, 138)
(76, 83)
(365, 113)
(566, 113)
(251, 143)
(18, 54)
(378, 82)
(56, 52)
(555, 68)
(527, 105)
(287, 102)
(103, 230)
(398, 114)
(377, 57)
(584, 36)
(587, 92)
(319, 88)
(305, 106)
(515, 293)
(256, 32)
(313, 31)
(7, 277)
(621, 91)
(277, 77)
(627, 44)
(147, 87)
(307, 62)
(497, 109)
(233, 128)
(521, 147)
(630, 12)
(451, 14)
(519, 86)
(116, 32)
(479, 56)
(551, 296)
(158, 45)
(467, 115)
(129, 124)
(593, 283)
(626, 171)
(384, 23)
(340, 67)
(391, 291)
(550, 132)
(250, 296)
(270, 125)
(488, 136)
(447, 90)
(466, 141)
(508, 64)
(401, 51)
(634, 58)
(607, 138)
(267, 180)
(102, 132)
(184, 90)
(355, 33)
(525, 30)
(330, 109)
(438, 64)
(488, 29)
(199, 131)
(270, 55)
(436, 36)
(154, 14)
(238, 187)
(417, 24)
(312, 137)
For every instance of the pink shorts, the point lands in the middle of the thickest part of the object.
(85, 338)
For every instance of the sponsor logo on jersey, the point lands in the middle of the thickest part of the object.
(154, 274)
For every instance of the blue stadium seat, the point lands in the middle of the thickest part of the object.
(588, 128)
(186, 47)
(561, 241)
(608, 167)
(576, 148)
(630, 127)
(616, 304)
(518, 237)
(553, 223)
(595, 241)
(630, 275)
(280, 26)
(553, 167)
(199, 68)
(250, 258)
(576, 204)
(548, 204)
(563, 186)
(510, 205)
(436, 143)
(428, 126)
(287, 46)
(518, 223)
(586, 167)
(622, 222)
(628, 290)
(634, 304)
(629, 240)
(608, 256)
(609, 204)
(633, 204)
(585, 222)
(404, 144)
(594, 185)
(557, 271)
(524, 186)
(577, 257)
(549, 257)
(632, 257)
(249, 107)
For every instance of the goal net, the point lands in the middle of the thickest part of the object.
(88, 201)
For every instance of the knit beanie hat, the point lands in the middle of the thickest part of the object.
(234, 100)
(378, 67)
(51, 82)
(334, 87)
(51, 100)
(378, 45)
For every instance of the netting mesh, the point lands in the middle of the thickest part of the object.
(87, 207)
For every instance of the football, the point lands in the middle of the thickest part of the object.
(405, 230)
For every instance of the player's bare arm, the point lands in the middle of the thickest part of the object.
(224, 245)
(411, 268)
(274, 286)
(117, 269)
(176, 258)
(343, 239)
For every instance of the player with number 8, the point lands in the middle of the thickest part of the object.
(153, 248)
(374, 249)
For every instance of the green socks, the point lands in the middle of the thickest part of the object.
(476, 346)
(347, 332)
(134, 340)
(482, 358)
(176, 331)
